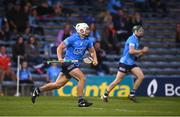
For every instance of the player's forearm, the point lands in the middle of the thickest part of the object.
(92, 52)
(94, 56)
(136, 52)
(59, 52)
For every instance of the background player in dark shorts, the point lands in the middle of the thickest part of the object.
(127, 63)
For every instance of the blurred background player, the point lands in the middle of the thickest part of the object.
(53, 72)
(25, 76)
(127, 63)
(6, 73)
(75, 45)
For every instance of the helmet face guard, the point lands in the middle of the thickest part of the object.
(82, 29)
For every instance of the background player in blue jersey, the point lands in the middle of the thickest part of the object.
(127, 63)
(75, 45)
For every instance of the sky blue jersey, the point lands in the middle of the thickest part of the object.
(128, 58)
(53, 72)
(24, 74)
(76, 47)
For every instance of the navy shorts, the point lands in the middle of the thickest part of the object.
(125, 68)
(67, 67)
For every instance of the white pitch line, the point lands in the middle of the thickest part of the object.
(124, 110)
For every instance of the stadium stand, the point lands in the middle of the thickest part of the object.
(162, 61)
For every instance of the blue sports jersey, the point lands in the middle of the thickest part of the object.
(53, 72)
(24, 74)
(128, 58)
(76, 47)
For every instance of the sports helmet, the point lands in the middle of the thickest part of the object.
(81, 28)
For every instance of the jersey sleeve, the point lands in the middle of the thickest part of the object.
(132, 42)
(68, 41)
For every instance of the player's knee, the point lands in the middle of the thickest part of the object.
(141, 77)
(116, 81)
(83, 79)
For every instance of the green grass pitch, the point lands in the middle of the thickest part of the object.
(67, 106)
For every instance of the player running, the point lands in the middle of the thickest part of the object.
(127, 63)
(75, 45)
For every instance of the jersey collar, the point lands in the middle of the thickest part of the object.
(135, 36)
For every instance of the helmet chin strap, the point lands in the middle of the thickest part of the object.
(83, 36)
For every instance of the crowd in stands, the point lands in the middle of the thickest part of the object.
(21, 23)
(178, 34)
